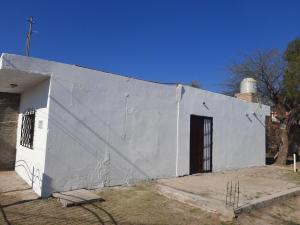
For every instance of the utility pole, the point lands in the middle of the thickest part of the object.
(28, 35)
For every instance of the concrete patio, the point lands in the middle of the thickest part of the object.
(259, 186)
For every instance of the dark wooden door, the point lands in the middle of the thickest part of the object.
(200, 144)
(196, 144)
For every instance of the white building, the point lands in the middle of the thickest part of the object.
(81, 128)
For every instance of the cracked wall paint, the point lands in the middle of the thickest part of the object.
(125, 114)
(103, 169)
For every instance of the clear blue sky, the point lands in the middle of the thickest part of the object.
(167, 41)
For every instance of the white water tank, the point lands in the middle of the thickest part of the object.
(248, 85)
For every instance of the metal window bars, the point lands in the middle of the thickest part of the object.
(233, 195)
(207, 144)
(27, 129)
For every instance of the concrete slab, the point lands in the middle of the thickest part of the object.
(76, 197)
(267, 200)
(259, 186)
(210, 205)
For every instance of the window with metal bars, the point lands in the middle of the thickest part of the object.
(27, 129)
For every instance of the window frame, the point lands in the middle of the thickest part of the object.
(27, 128)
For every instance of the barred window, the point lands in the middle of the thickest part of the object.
(27, 129)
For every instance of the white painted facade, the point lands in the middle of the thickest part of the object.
(238, 129)
(30, 163)
(100, 129)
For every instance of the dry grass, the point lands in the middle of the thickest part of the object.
(294, 176)
(139, 204)
(142, 205)
(285, 213)
(131, 205)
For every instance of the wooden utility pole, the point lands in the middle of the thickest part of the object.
(28, 35)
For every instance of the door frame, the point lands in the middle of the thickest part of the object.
(211, 143)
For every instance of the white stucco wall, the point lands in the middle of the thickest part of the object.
(30, 162)
(106, 130)
(238, 141)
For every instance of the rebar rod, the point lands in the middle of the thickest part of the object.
(230, 192)
(234, 194)
(238, 198)
(227, 192)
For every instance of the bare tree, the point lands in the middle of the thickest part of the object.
(269, 69)
(195, 84)
(266, 67)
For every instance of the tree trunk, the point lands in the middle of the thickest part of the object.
(284, 147)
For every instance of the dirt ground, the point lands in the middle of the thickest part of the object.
(286, 213)
(139, 204)
(130, 205)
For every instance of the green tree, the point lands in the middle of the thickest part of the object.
(289, 101)
(291, 80)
